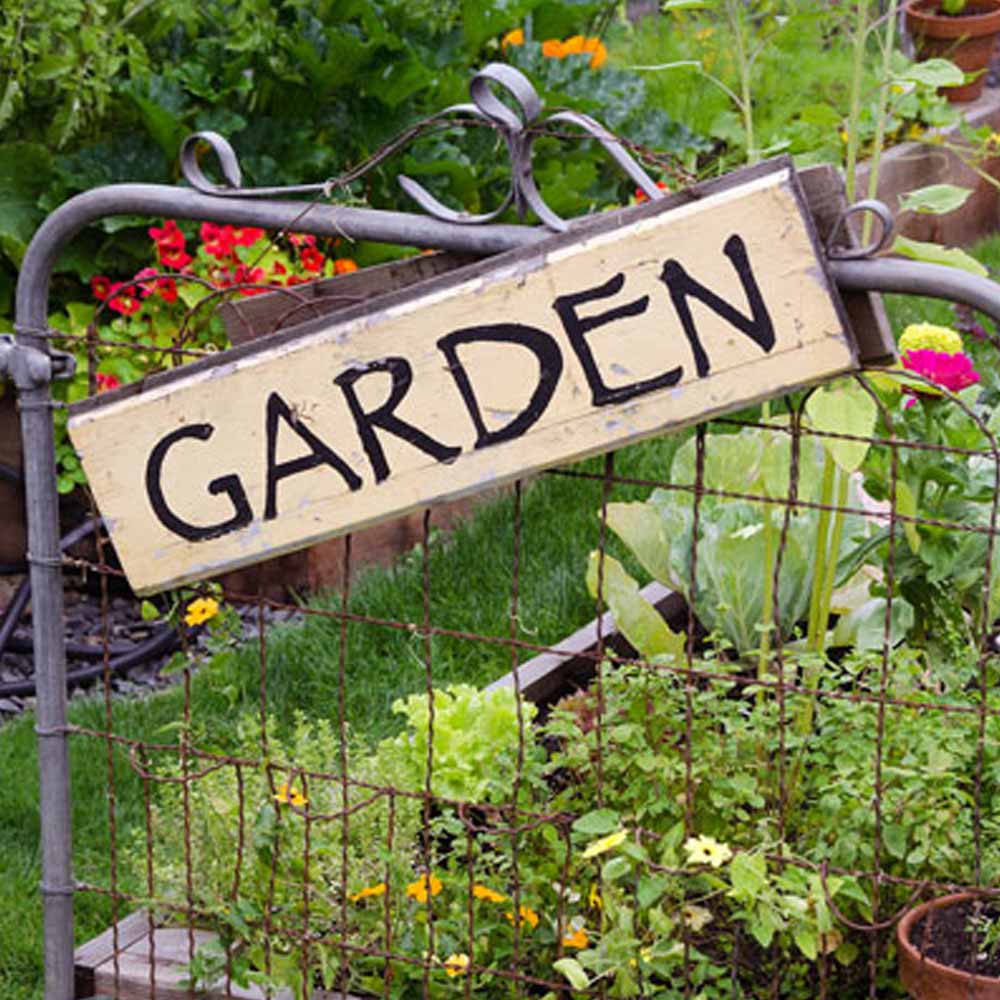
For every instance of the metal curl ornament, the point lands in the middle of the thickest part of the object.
(519, 129)
(875, 246)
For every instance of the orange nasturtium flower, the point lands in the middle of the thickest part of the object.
(344, 265)
(201, 610)
(528, 916)
(368, 892)
(577, 939)
(290, 796)
(515, 37)
(490, 895)
(426, 883)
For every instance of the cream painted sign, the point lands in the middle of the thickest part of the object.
(576, 345)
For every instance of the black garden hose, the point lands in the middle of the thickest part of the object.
(123, 658)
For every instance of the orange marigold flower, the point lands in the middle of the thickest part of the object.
(553, 48)
(515, 37)
(528, 916)
(574, 46)
(577, 939)
(368, 892)
(490, 895)
(426, 883)
(599, 52)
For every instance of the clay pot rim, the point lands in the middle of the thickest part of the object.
(954, 25)
(913, 915)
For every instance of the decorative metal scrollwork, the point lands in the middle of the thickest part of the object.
(519, 126)
(835, 248)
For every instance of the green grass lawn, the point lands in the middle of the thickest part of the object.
(470, 590)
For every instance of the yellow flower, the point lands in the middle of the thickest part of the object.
(915, 131)
(290, 796)
(578, 939)
(552, 48)
(707, 850)
(491, 895)
(515, 37)
(367, 892)
(704, 34)
(929, 337)
(528, 916)
(201, 610)
(418, 890)
(844, 137)
(605, 844)
(594, 898)
(574, 46)
(455, 965)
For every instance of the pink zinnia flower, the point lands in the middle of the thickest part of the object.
(950, 371)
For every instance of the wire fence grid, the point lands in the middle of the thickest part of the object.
(742, 806)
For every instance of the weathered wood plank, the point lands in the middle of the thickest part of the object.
(547, 677)
(571, 347)
(260, 315)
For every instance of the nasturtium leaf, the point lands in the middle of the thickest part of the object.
(934, 253)
(638, 620)
(843, 408)
(935, 199)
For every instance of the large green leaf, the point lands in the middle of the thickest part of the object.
(482, 20)
(843, 408)
(641, 528)
(638, 620)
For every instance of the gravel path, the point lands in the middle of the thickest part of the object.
(84, 624)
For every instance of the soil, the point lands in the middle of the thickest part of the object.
(947, 935)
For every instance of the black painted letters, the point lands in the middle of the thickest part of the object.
(229, 485)
(545, 349)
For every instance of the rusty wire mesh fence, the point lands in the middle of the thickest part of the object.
(739, 799)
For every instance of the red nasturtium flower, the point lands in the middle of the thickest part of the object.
(122, 299)
(100, 286)
(641, 196)
(245, 236)
(217, 241)
(105, 382)
(169, 238)
(146, 288)
(175, 258)
(302, 239)
(312, 259)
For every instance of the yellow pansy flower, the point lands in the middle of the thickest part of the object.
(290, 796)
(455, 965)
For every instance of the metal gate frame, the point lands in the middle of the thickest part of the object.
(31, 365)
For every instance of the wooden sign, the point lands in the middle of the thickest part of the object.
(642, 321)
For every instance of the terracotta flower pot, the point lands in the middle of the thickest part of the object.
(967, 39)
(926, 979)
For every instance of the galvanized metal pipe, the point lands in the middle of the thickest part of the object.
(916, 278)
